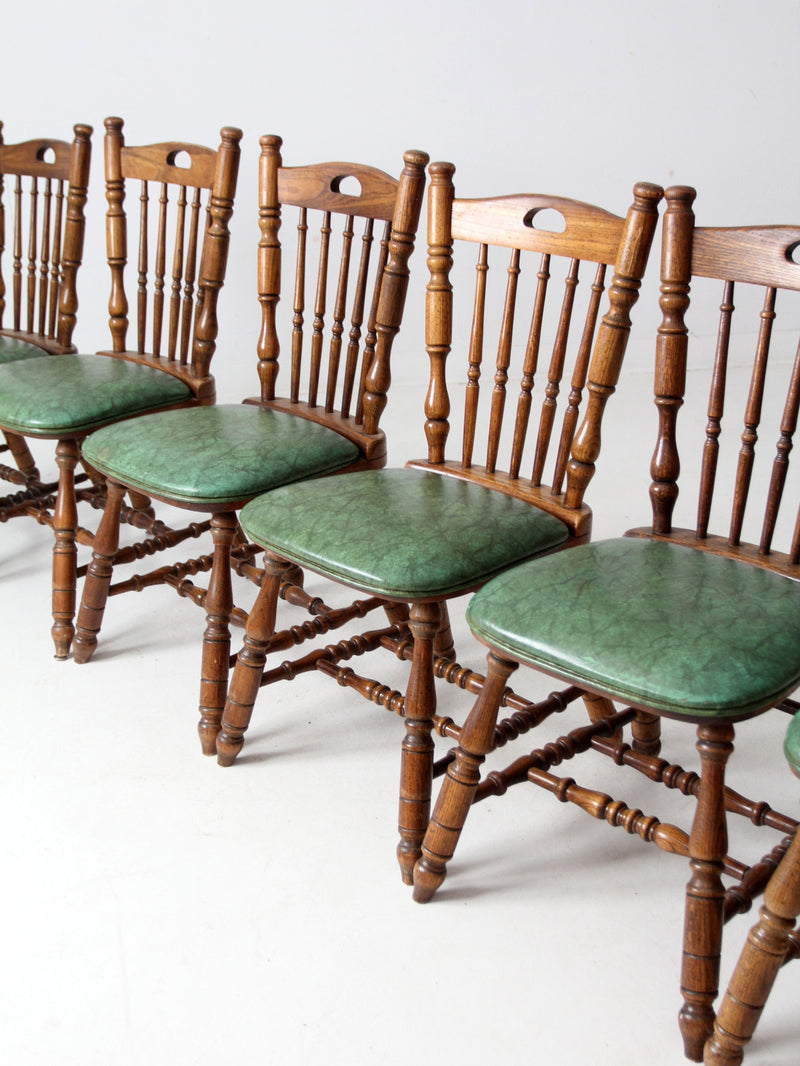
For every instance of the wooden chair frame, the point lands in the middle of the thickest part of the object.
(757, 256)
(357, 370)
(39, 301)
(189, 348)
(420, 632)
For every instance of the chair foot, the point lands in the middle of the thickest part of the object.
(407, 857)
(227, 748)
(83, 649)
(428, 876)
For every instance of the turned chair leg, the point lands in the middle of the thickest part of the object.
(758, 965)
(98, 576)
(458, 788)
(65, 550)
(416, 760)
(18, 447)
(705, 893)
(249, 669)
(217, 637)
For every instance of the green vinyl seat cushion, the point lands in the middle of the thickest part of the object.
(791, 746)
(675, 629)
(13, 349)
(74, 394)
(408, 534)
(226, 453)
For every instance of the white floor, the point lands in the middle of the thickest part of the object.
(161, 910)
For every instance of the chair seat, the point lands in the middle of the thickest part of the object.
(74, 394)
(221, 454)
(407, 534)
(12, 349)
(671, 628)
(791, 746)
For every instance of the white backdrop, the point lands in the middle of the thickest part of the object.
(580, 99)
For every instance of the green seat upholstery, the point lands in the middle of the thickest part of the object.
(73, 394)
(675, 629)
(226, 453)
(12, 349)
(791, 746)
(408, 534)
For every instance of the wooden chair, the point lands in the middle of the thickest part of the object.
(415, 537)
(167, 363)
(671, 622)
(772, 942)
(216, 459)
(43, 189)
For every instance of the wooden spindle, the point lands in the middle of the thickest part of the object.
(320, 305)
(177, 274)
(269, 265)
(780, 465)
(439, 310)
(55, 262)
(529, 368)
(752, 418)
(190, 275)
(356, 319)
(44, 255)
(33, 247)
(578, 383)
(160, 270)
(554, 374)
(716, 409)
(116, 236)
(299, 304)
(339, 311)
(371, 339)
(473, 389)
(503, 362)
(141, 292)
(17, 265)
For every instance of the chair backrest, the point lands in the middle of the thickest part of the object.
(551, 236)
(339, 381)
(43, 189)
(186, 194)
(753, 368)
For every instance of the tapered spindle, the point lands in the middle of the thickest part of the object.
(17, 265)
(33, 242)
(716, 409)
(339, 311)
(780, 466)
(187, 310)
(299, 304)
(503, 362)
(55, 262)
(473, 389)
(578, 384)
(141, 296)
(160, 270)
(371, 339)
(177, 274)
(320, 306)
(529, 367)
(356, 319)
(44, 255)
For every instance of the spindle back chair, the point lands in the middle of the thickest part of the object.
(416, 537)
(216, 460)
(670, 622)
(43, 190)
(65, 399)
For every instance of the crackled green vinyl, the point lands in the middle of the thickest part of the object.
(220, 454)
(408, 534)
(12, 349)
(676, 629)
(77, 393)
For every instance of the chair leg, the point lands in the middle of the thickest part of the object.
(65, 549)
(458, 788)
(250, 662)
(705, 893)
(416, 761)
(18, 447)
(98, 576)
(217, 637)
(758, 965)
